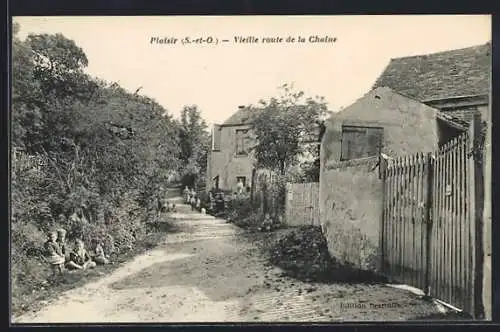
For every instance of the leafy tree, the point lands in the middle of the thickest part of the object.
(280, 124)
(26, 115)
(96, 136)
(59, 65)
(85, 141)
(194, 141)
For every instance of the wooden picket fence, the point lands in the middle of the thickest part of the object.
(302, 204)
(430, 222)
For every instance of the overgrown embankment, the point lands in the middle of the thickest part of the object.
(32, 293)
(81, 142)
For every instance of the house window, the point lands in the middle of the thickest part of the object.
(241, 149)
(360, 142)
(216, 137)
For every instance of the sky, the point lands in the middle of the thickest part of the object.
(219, 78)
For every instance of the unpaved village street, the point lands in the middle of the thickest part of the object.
(210, 272)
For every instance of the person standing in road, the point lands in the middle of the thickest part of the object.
(186, 194)
(239, 187)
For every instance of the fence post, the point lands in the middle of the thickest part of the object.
(475, 212)
(486, 298)
(428, 220)
(383, 176)
(252, 187)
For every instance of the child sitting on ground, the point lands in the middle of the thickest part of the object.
(53, 253)
(98, 255)
(79, 258)
(61, 241)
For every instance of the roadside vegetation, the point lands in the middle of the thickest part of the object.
(80, 141)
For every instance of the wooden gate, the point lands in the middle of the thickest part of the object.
(405, 229)
(302, 200)
(430, 235)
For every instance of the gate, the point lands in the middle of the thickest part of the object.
(431, 221)
(405, 229)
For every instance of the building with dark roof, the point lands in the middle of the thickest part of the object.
(456, 81)
(230, 158)
(416, 105)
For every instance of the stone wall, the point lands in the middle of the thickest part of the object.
(350, 211)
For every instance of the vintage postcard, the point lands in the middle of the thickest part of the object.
(184, 169)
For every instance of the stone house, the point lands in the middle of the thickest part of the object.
(230, 158)
(382, 121)
(416, 105)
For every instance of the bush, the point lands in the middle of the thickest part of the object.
(38, 197)
(303, 253)
(244, 214)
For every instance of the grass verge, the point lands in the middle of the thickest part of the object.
(33, 298)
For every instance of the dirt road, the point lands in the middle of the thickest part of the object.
(208, 272)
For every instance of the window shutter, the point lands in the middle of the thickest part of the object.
(360, 142)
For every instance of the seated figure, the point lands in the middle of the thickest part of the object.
(79, 258)
(98, 253)
(53, 253)
(61, 241)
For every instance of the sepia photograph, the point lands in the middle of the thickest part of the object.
(233, 169)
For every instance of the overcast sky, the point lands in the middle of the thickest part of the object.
(219, 78)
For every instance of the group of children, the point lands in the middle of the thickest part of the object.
(162, 204)
(60, 258)
(214, 201)
(191, 198)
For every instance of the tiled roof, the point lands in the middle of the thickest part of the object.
(242, 116)
(454, 120)
(461, 72)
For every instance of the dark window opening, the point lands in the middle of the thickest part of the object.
(241, 148)
(360, 142)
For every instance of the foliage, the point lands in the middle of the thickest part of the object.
(279, 126)
(242, 212)
(270, 192)
(303, 253)
(81, 140)
(194, 141)
(306, 172)
(239, 207)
